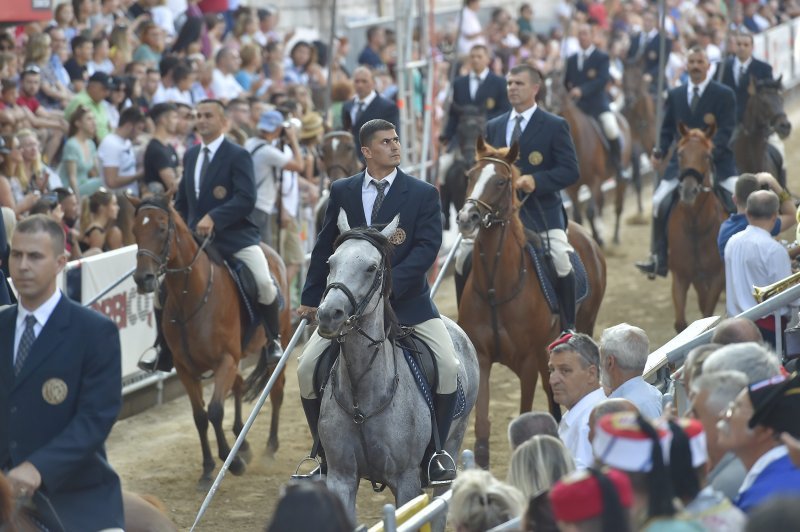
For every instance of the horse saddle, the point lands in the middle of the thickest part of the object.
(421, 363)
(547, 274)
(598, 127)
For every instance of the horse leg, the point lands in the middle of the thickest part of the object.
(238, 389)
(619, 202)
(408, 486)
(527, 384)
(680, 287)
(577, 215)
(224, 377)
(713, 290)
(594, 221)
(444, 192)
(483, 426)
(346, 487)
(276, 399)
(194, 389)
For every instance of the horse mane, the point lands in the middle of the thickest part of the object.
(517, 229)
(386, 248)
(696, 134)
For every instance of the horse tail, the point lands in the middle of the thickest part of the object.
(258, 378)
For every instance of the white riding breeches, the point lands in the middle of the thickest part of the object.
(253, 257)
(775, 141)
(610, 125)
(664, 190)
(559, 250)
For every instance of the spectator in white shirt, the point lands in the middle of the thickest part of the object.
(574, 362)
(223, 84)
(116, 154)
(623, 354)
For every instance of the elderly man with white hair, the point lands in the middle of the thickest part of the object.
(753, 359)
(623, 354)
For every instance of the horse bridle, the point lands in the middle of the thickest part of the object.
(490, 214)
(162, 259)
(321, 160)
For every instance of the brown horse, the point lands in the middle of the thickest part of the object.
(763, 116)
(594, 163)
(504, 285)
(204, 323)
(640, 112)
(694, 225)
(336, 159)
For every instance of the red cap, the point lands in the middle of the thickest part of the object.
(578, 497)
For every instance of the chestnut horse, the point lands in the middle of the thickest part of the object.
(503, 309)
(694, 225)
(640, 111)
(203, 323)
(594, 163)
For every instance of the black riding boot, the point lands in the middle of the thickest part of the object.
(311, 408)
(163, 359)
(657, 265)
(616, 154)
(270, 317)
(461, 278)
(566, 301)
(442, 467)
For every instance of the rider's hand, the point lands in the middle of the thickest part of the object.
(310, 313)
(526, 184)
(205, 226)
(576, 93)
(25, 478)
(767, 179)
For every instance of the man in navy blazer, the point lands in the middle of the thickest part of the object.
(586, 78)
(548, 163)
(740, 69)
(60, 390)
(370, 55)
(646, 45)
(367, 105)
(417, 204)
(217, 195)
(715, 104)
(480, 88)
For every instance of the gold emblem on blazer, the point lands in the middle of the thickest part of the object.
(398, 237)
(54, 391)
(535, 158)
(652, 55)
(709, 119)
(490, 103)
(591, 73)
(220, 192)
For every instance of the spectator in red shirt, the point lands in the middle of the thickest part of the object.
(30, 83)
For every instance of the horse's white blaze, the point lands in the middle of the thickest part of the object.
(484, 177)
(146, 219)
(334, 143)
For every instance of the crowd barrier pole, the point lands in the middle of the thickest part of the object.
(445, 264)
(109, 288)
(298, 333)
(392, 517)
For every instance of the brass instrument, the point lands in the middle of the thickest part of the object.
(762, 293)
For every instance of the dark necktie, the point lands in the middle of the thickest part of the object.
(695, 98)
(25, 343)
(517, 130)
(359, 112)
(741, 76)
(204, 167)
(381, 186)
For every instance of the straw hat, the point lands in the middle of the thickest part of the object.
(312, 126)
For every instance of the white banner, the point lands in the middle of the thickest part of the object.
(131, 311)
(779, 44)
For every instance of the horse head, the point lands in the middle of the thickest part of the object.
(337, 155)
(552, 93)
(472, 121)
(767, 105)
(154, 230)
(491, 188)
(694, 161)
(359, 277)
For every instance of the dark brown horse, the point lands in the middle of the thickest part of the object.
(204, 323)
(336, 159)
(694, 225)
(763, 116)
(516, 330)
(594, 163)
(640, 112)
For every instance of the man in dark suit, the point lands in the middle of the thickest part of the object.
(697, 104)
(646, 45)
(60, 391)
(370, 55)
(548, 163)
(217, 195)
(739, 70)
(480, 88)
(367, 105)
(586, 78)
(417, 204)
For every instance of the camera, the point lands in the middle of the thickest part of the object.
(292, 123)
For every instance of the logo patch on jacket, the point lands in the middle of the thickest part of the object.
(54, 391)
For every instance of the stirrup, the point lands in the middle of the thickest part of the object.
(315, 474)
(446, 458)
(150, 366)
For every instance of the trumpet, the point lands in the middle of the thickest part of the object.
(762, 293)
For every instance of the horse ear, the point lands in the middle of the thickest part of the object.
(480, 146)
(682, 129)
(389, 230)
(513, 153)
(711, 130)
(779, 82)
(341, 221)
(751, 87)
(133, 200)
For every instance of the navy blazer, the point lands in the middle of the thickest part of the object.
(417, 203)
(228, 195)
(717, 104)
(756, 69)
(58, 411)
(592, 81)
(556, 165)
(491, 96)
(649, 53)
(370, 57)
(379, 108)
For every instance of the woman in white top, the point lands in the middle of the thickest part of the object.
(471, 32)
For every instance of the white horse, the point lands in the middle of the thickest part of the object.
(374, 422)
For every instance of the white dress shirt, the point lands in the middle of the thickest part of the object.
(369, 192)
(583, 55)
(475, 81)
(752, 258)
(737, 68)
(356, 102)
(574, 429)
(702, 88)
(512, 120)
(213, 146)
(42, 314)
(645, 396)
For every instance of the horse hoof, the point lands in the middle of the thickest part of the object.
(482, 453)
(245, 454)
(237, 466)
(272, 448)
(637, 219)
(205, 483)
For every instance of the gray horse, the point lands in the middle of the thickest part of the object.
(374, 422)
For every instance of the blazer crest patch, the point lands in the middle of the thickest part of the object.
(54, 391)
(709, 118)
(652, 55)
(220, 192)
(398, 237)
(591, 73)
(535, 158)
(490, 103)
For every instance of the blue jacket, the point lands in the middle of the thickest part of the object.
(379, 108)
(649, 53)
(228, 194)
(780, 478)
(756, 69)
(370, 57)
(417, 203)
(592, 81)
(717, 104)
(556, 165)
(58, 411)
(735, 224)
(491, 96)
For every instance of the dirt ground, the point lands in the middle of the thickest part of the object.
(157, 452)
